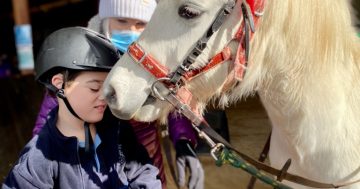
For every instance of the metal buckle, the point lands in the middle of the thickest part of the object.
(215, 147)
(155, 92)
(60, 93)
(183, 67)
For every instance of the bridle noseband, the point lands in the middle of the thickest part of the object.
(176, 80)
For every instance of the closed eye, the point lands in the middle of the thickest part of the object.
(140, 24)
(94, 90)
(94, 85)
(122, 21)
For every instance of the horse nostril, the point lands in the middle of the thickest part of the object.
(110, 95)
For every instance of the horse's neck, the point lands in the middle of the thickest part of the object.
(295, 69)
(316, 117)
(310, 87)
(303, 98)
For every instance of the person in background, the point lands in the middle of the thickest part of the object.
(82, 145)
(122, 21)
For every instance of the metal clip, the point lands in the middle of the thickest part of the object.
(215, 147)
(214, 152)
(155, 92)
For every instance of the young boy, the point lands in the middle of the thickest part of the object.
(80, 146)
(122, 21)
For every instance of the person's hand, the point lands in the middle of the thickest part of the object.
(186, 157)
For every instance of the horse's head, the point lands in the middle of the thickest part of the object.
(294, 36)
(170, 36)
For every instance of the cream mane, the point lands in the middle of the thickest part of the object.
(302, 44)
(307, 45)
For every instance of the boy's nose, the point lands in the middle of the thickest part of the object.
(101, 94)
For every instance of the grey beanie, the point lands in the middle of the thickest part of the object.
(136, 9)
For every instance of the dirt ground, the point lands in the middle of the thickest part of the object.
(20, 101)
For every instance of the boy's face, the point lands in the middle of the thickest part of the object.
(85, 95)
(129, 24)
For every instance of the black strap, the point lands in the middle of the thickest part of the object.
(61, 94)
(70, 108)
(88, 139)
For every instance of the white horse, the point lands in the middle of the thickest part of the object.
(304, 64)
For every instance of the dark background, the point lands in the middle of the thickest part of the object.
(50, 15)
(20, 96)
(46, 16)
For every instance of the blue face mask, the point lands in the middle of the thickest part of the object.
(122, 39)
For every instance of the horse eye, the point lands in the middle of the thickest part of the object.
(188, 12)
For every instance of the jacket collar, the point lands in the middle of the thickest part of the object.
(66, 144)
(107, 129)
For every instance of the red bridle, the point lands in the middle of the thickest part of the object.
(159, 71)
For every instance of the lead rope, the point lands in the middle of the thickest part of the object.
(237, 158)
(223, 155)
(230, 157)
(220, 151)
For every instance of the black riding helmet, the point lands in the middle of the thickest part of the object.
(74, 48)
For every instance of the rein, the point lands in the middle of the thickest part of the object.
(177, 95)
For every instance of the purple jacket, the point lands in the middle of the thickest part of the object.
(49, 102)
(180, 128)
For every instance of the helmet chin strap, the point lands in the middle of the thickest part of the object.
(61, 94)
